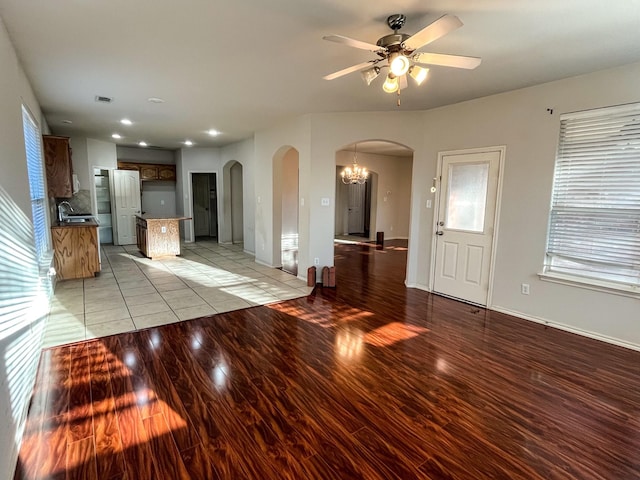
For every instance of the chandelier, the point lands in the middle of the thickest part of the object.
(354, 174)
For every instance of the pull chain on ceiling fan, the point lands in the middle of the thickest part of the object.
(399, 50)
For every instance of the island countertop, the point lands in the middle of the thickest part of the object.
(147, 216)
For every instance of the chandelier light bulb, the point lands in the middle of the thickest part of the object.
(399, 65)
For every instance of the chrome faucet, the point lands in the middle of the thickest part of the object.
(65, 204)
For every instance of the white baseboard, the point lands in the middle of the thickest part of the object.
(260, 262)
(417, 286)
(568, 328)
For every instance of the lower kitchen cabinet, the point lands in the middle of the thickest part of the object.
(75, 251)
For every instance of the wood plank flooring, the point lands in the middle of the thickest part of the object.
(369, 380)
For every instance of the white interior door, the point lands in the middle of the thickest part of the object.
(126, 205)
(356, 207)
(465, 228)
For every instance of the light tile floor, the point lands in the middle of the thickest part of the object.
(133, 292)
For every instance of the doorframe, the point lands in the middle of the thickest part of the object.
(189, 227)
(501, 149)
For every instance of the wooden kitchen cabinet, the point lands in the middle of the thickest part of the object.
(148, 172)
(151, 171)
(167, 172)
(57, 160)
(75, 251)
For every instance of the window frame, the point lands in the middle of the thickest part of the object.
(581, 152)
(37, 186)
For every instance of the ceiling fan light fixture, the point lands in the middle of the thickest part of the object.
(399, 64)
(419, 74)
(390, 84)
(370, 74)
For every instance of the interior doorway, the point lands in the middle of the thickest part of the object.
(285, 208)
(205, 206)
(237, 206)
(290, 212)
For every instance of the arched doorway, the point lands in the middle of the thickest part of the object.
(383, 203)
(285, 208)
(233, 205)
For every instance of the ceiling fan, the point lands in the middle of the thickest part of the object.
(398, 52)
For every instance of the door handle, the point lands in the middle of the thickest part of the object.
(439, 233)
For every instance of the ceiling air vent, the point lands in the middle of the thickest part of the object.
(101, 99)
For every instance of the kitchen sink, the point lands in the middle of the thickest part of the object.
(79, 218)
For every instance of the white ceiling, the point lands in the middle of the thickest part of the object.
(242, 66)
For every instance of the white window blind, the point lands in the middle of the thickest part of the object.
(35, 168)
(594, 225)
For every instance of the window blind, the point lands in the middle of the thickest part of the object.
(594, 225)
(35, 168)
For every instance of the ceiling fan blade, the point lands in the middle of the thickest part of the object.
(432, 32)
(350, 42)
(456, 61)
(346, 71)
(402, 82)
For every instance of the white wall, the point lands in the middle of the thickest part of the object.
(145, 155)
(23, 297)
(101, 154)
(80, 162)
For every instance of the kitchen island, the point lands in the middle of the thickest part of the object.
(158, 236)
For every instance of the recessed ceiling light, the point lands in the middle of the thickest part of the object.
(155, 100)
(126, 121)
(116, 136)
(188, 143)
(142, 144)
(68, 122)
(213, 132)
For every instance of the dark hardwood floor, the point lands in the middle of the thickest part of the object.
(368, 380)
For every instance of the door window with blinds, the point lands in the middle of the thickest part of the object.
(594, 225)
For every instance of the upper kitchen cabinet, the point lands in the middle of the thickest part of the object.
(151, 171)
(57, 159)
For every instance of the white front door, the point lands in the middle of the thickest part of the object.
(126, 205)
(465, 224)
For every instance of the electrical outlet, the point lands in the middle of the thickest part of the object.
(316, 261)
(163, 229)
(524, 289)
(428, 203)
